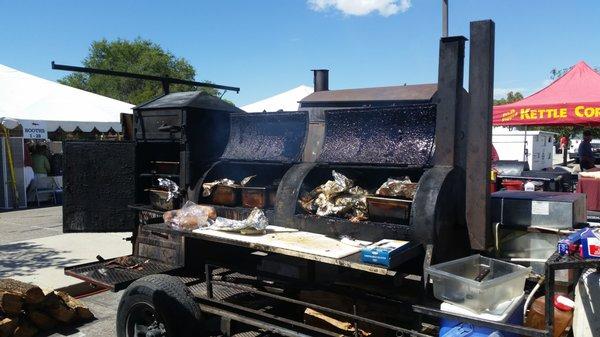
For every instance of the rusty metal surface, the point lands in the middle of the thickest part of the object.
(481, 80)
(267, 136)
(418, 92)
(450, 84)
(402, 135)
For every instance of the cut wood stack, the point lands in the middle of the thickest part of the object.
(25, 309)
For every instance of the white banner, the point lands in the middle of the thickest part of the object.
(34, 129)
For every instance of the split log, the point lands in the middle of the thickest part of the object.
(82, 312)
(31, 293)
(25, 329)
(10, 303)
(8, 326)
(41, 320)
(57, 309)
(330, 323)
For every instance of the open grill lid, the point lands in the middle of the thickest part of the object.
(267, 137)
(394, 136)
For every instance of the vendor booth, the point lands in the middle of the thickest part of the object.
(40, 110)
(573, 99)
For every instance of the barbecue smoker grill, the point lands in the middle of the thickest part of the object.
(436, 135)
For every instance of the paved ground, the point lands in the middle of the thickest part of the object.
(33, 248)
(30, 224)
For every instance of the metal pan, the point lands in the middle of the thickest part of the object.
(226, 195)
(261, 197)
(388, 209)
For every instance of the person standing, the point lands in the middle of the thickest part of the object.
(564, 147)
(586, 155)
(41, 164)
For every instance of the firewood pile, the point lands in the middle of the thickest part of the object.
(26, 309)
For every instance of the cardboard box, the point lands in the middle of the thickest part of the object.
(384, 252)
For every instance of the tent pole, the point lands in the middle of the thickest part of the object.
(525, 145)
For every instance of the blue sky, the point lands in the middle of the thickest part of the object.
(266, 47)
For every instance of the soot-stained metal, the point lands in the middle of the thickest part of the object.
(99, 183)
(402, 135)
(267, 137)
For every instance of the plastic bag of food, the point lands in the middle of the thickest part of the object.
(255, 223)
(191, 216)
(207, 188)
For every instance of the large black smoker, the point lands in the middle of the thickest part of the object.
(191, 284)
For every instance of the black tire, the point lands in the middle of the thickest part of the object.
(163, 298)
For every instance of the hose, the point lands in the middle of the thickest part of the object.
(528, 300)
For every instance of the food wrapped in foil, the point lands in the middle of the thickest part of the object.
(404, 188)
(255, 223)
(207, 188)
(246, 180)
(337, 197)
(170, 186)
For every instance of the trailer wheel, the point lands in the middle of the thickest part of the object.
(158, 306)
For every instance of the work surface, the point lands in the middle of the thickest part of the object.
(291, 242)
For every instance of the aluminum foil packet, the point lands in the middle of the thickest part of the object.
(246, 180)
(255, 223)
(393, 187)
(170, 186)
(207, 188)
(337, 197)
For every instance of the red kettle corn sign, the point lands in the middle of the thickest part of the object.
(572, 99)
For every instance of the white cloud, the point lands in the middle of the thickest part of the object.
(361, 7)
(502, 92)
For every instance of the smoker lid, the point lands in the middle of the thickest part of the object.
(271, 137)
(189, 99)
(417, 92)
(397, 136)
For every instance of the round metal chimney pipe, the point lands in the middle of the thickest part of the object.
(320, 79)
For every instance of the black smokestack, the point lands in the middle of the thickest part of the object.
(321, 79)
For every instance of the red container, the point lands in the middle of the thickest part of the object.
(513, 185)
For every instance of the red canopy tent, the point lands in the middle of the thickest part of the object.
(573, 99)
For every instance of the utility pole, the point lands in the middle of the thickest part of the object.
(444, 18)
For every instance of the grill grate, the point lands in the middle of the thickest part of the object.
(267, 137)
(402, 135)
(117, 278)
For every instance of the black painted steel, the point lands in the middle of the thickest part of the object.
(401, 135)
(99, 183)
(163, 79)
(479, 134)
(320, 79)
(277, 137)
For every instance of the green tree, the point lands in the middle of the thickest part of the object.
(510, 98)
(137, 56)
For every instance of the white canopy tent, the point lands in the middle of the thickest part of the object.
(29, 98)
(286, 101)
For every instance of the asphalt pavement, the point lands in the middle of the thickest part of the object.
(34, 249)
